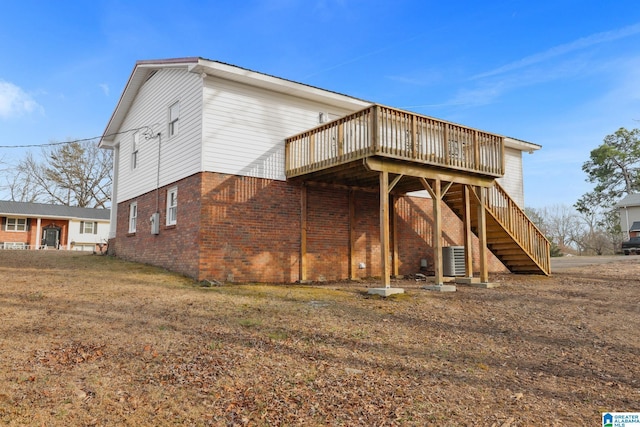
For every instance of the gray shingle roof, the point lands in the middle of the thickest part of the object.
(635, 226)
(630, 200)
(43, 210)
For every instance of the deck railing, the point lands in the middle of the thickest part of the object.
(387, 132)
(513, 219)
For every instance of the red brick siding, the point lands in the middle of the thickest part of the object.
(176, 247)
(327, 234)
(250, 229)
(244, 229)
(367, 234)
(415, 231)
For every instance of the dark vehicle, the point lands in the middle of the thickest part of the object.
(631, 246)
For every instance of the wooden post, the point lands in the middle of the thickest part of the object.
(437, 232)
(477, 164)
(445, 149)
(303, 233)
(352, 234)
(340, 139)
(375, 130)
(394, 233)
(384, 229)
(414, 137)
(482, 236)
(468, 241)
(435, 191)
(312, 150)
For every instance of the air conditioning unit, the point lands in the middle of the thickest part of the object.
(453, 261)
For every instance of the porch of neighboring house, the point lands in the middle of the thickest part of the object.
(394, 152)
(35, 234)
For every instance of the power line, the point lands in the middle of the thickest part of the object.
(51, 144)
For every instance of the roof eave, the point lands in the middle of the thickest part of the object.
(136, 80)
(521, 145)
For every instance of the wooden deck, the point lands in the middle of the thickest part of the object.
(395, 135)
(387, 150)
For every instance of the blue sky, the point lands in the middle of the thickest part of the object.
(561, 74)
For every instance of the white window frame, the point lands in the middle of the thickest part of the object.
(88, 227)
(19, 224)
(174, 118)
(172, 206)
(133, 216)
(135, 148)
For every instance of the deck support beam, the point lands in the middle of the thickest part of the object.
(394, 237)
(482, 236)
(384, 229)
(468, 234)
(480, 195)
(352, 234)
(435, 191)
(303, 234)
(385, 246)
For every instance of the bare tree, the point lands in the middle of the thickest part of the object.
(562, 223)
(72, 174)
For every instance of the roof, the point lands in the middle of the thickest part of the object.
(43, 210)
(630, 200)
(206, 67)
(635, 226)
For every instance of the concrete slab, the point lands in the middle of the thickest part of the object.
(440, 288)
(487, 285)
(475, 282)
(385, 292)
(467, 280)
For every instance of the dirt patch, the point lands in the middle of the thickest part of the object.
(90, 340)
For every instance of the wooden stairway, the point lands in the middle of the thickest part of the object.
(511, 235)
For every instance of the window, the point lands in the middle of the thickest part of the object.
(133, 216)
(88, 227)
(174, 115)
(172, 206)
(134, 150)
(16, 224)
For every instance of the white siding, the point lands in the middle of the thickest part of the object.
(628, 216)
(244, 127)
(180, 154)
(100, 237)
(512, 180)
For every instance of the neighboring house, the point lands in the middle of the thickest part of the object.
(629, 210)
(43, 226)
(229, 174)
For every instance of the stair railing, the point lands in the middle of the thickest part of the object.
(513, 219)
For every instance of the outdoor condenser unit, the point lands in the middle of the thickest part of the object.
(453, 261)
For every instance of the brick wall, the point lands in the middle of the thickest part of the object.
(415, 231)
(176, 247)
(243, 229)
(250, 229)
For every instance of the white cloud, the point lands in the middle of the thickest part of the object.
(15, 102)
(564, 49)
(105, 88)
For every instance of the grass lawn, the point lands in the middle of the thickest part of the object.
(93, 340)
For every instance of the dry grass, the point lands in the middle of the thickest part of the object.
(88, 340)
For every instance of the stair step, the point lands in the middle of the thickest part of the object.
(499, 241)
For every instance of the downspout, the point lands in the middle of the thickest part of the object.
(159, 135)
(113, 216)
